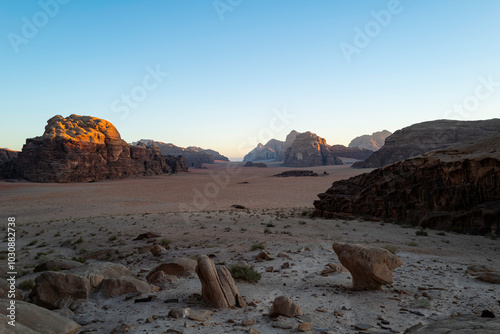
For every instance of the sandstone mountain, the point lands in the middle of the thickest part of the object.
(371, 142)
(193, 156)
(427, 136)
(456, 188)
(85, 148)
(308, 150)
(274, 149)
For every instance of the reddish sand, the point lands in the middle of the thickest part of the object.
(215, 188)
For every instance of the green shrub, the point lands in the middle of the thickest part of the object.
(257, 246)
(412, 243)
(421, 233)
(245, 273)
(165, 242)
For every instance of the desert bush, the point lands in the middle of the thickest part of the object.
(245, 273)
(421, 233)
(256, 246)
(165, 242)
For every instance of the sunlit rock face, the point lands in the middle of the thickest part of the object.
(309, 150)
(456, 188)
(84, 149)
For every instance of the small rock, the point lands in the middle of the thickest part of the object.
(269, 269)
(305, 327)
(157, 250)
(285, 265)
(362, 327)
(147, 235)
(284, 255)
(247, 321)
(284, 306)
(487, 314)
(264, 256)
(253, 331)
(178, 313)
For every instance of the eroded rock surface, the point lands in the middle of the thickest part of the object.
(84, 149)
(217, 284)
(427, 136)
(370, 267)
(455, 188)
(308, 150)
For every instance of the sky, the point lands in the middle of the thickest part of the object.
(228, 74)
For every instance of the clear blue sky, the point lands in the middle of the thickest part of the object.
(229, 68)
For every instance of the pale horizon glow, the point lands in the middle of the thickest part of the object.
(199, 80)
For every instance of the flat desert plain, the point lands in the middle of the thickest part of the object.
(192, 213)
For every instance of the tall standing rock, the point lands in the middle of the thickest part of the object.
(217, 284)
(84, 149)
(373, 142)
(370, 267)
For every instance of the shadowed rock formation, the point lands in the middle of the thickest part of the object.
(309, 150)
(351, 152)
(193, 156)
(455, 188)
(427, 136)
(84, 149)
(371, 142)
(7, 163)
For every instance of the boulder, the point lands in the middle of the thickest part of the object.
(370, 267)
(176, 267)
(284, 306)
(162, 280)
(5, 288)
(490, 277)
(217, 285)
(308, 150)
(427, 136)
(465, 324)
(55, 290)
(32, 319)
(84, 149)
(457, 188)
(114, 287)
(371, 142)
(98, 271)
(158, 250)
(57, 264)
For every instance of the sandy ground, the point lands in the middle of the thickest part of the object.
(215, 188)
(431, 284)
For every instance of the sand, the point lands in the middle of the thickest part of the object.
(431, 284)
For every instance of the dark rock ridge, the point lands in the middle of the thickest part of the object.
(371, 142)
(350, 152)
(193, 156)
(274, 149)
(84, 149)
(427, 136)
(296, 173)
(309, 150)
(7, 160)
(456, 188)
(255, 164)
